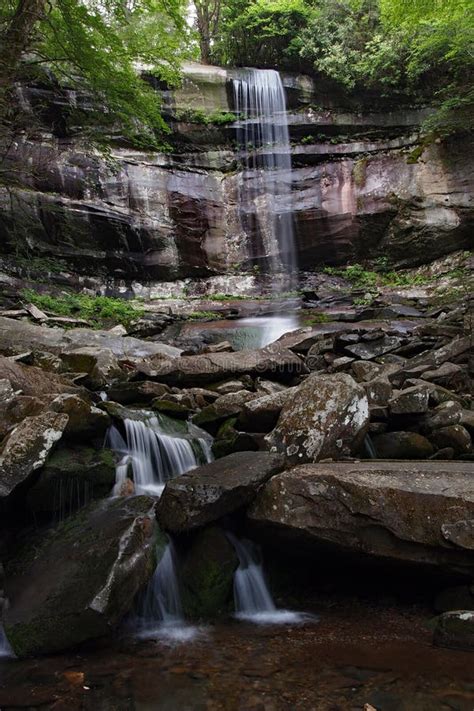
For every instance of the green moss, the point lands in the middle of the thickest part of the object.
(203, 315)
(170, 408)
(95, 309)
(199, 116)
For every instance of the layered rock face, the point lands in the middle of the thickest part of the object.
(355, 191)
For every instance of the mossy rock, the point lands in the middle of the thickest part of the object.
(71, 478)
(172, 409)
(208, 575)
(76, 581)
(229, 440)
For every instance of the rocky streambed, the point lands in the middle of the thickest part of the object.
(343, 451)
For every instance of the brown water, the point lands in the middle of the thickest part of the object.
(357, 654)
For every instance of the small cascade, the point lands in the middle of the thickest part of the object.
(265, 197)
(369, 447)
(5, 649)
(159, 613)
(153, 455)
(252, 597)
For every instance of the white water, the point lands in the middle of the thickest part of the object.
(5, 649)
(265, 198)
(252, 597)
(153, 456)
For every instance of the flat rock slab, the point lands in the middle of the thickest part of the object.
(21, 335)
(77, 581)
(207, 493)
(421, 512)
(272, 362)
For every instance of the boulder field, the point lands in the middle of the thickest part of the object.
(342, 439)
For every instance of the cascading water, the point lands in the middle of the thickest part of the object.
(265, 191)
(252, 597)
(5, 649)
(159, 613)
(154, 456)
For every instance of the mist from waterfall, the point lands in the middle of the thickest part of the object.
(266, 208)
(252, 598)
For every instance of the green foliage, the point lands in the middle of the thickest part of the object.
(361, 278)
(262, 33)
(93, 47)
(95, 309)
(214, 118)
(202, 315)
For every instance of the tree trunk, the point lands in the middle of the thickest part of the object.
(17, 37)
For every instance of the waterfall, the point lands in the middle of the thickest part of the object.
(5, 649)
(153, 455)
(252, 597)
(265, 189)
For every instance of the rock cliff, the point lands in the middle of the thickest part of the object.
(359, 188)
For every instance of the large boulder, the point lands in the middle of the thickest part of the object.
(30, 380)
(27, 448)
(77, 582)
(327, 416)
(207, 493)
(72, 477)
(401, 511)
(272, 362)
(85, 420)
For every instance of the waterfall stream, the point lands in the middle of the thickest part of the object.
(252, 597)
(153, 452)
(5, 649)
(265, 189)
(154, 455)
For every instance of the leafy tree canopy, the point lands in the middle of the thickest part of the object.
(95, 47)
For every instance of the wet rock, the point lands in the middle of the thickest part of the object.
(402, 445)
(207, 575)
(372, 349)
(454, 436)
(446, 414)
(136, 392)
(101, 365)
(326, 417)
(378, 391)
(390, 510)
(172, 408)
(230, 386)
(455, 629)
(85, 420)
(271, 362)
(261, 414)
(207, 493)
(15, 409)
(71, 478)
(412, 401)
(460, 597)
(224, 407)
(449, 375)
(27, 448)
(229, 440)
(435, 358)
(77, 581)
